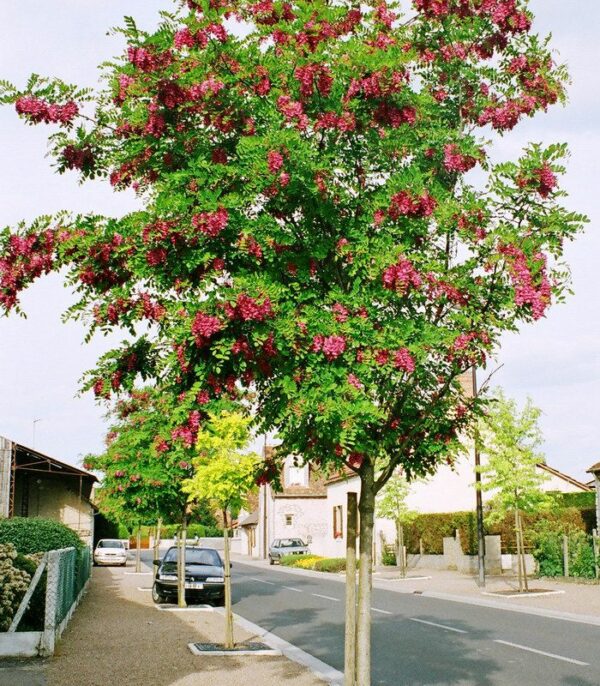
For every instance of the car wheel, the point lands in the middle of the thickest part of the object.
(157, 596)
(220, 601)
(271, 561)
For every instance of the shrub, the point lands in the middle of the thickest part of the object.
(583, 501)
(14, 583)
(34, 535)
(388, 558)
(297, 560)
(548, 551)
(330, 564)
(581, 556)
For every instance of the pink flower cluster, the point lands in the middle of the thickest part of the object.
(78, 158)
(275, 161)
(546, 179)
(388, 115)
(331, 346)
(504, 117)
(249, 309)
(292, 110)
(331, 120)
(24, 259)
(404, 360)
(403, 204)
(184, 38)
(314, 75)
(526, 292)
(401, 276)
(37, 110)
(378, 84)
(455, 161)
(355, 381)
(210, 86)
(211, 223)
(188, 432)
(204, 327)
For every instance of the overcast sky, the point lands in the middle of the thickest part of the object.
(556, 361)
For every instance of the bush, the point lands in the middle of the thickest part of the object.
(330, 564)
(35, 535)
(388, 558)
(298, 560)
(14, 583)
(548, 552)
(582, 501)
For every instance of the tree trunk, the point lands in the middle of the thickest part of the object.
(138, 552)
(181, 564)
(227, 577)
(350, 625)
(156, 554)
(363, 624)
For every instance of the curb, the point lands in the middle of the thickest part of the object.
(528, 610)
(320, 669)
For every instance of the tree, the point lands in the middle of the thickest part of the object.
(391, 504)
(225, 477)
(143, 469)
(510, 441)
(308, 233)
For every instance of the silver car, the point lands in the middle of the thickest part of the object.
(286, 546)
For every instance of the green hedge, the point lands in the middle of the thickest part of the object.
(36, 535)
(432, 528)
(583, 501)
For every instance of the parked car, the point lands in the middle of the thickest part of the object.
(286, 546)
(204, 576)
(110, 551)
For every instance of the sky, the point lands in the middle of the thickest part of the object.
(555, 361)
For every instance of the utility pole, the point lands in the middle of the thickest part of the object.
(478, 501)
(35, 421)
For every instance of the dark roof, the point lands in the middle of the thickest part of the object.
(565, 477)
(31, 460)
(594, 469)
(251, 519)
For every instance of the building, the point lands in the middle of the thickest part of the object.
(35, 485)
(314, 509)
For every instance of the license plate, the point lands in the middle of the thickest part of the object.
(194, 585)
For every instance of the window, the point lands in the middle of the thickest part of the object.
(289, 520)
(338, 527)
(296, 476)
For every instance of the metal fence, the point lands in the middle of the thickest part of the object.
(67, 573)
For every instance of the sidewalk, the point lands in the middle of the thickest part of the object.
(573, 600)
(117, 636)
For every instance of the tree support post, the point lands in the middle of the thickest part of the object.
(227, 578)
(181, 564)
(350, 625)
(566, 554)
(595, 549)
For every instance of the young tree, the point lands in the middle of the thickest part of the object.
(391, 504)
(143, 468)
(308, 231)
(510, 441)
(225, 477)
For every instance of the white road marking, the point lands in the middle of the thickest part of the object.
(291, 588)
(541, 652)
(383, 612)
(440, 626)
(327, 597)
(262, 581)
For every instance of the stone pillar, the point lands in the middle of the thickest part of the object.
(6, 449)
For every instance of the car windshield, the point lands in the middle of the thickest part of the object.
(110, 544)
(195, 556)
(291, 543)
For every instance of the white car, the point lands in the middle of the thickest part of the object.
(110, 551)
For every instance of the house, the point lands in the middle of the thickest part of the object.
(314, 509)
(35, 485)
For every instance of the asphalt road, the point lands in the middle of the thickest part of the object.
(420, 641)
